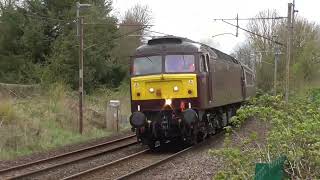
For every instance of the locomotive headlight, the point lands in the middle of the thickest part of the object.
(175, 88)
(168, 102)
(151, 90)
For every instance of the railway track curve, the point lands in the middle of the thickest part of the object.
(43, 165)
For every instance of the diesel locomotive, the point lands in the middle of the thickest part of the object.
(183, 90)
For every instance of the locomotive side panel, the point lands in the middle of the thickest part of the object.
(219, 86)
(249, 83)
(235, 83)
(226, 86)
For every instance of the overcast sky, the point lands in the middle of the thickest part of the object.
(194, 18)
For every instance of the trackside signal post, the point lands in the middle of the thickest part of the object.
(290, 22)
(80, 35)
(277, 54)
(81, 77)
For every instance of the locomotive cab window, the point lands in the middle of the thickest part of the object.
(179, 63)
(207, 62)
(203, 64)
(147, 65)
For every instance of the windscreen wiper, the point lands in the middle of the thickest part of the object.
(149, 59)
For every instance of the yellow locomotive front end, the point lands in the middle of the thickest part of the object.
(163, 88)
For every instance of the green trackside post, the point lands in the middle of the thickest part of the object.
(270, 171)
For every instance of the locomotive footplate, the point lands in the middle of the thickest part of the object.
(166, 126)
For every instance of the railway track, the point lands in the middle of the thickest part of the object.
(127, 166)
(134, 164)
(30, 169)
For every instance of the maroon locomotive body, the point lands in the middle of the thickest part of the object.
(181, 89)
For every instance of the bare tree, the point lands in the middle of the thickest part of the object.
(6, 3)
(265, 27)
(132, 31)
(136, 20)
(306, 45)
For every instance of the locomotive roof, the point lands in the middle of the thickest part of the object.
(179, 44)
(168, 44)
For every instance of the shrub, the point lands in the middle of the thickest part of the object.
(294, 132)
(6, 112)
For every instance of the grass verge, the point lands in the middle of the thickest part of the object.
(49, 118)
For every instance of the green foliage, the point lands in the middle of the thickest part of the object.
(38, 44)
(7, 114)
(305, 51)
(314, 95)
(44, 121)
(294, 132)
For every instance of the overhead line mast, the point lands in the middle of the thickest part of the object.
(289, 44)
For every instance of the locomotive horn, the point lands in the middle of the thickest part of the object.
(137, 119)
(190, 116)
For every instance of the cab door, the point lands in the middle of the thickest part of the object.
(205, 80)
(209, 79)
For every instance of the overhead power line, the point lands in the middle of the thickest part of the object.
(159, 32)
(74, 21)
(118, 37)
(256, 34)
(120, 24)
(260, 18)
(49, 18)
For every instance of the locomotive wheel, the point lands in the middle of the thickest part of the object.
(194, 135)
(153, 145)
(203, 134)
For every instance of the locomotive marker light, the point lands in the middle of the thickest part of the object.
(151, 90)
(175, 89)
(158, 92)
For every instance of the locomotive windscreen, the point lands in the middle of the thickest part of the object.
(179, 63)
(173, 64)
(147, 65)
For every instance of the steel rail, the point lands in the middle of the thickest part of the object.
(83, 173)
(154, 164)
(13, 168)
(105, 165)
(70, 162)
(165, 159)
(79, 175)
